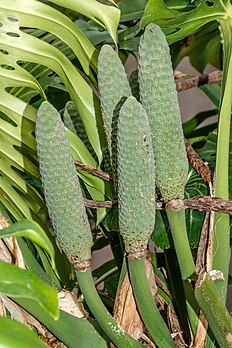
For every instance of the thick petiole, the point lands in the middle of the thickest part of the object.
(118, 335)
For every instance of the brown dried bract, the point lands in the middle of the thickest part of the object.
(198, 164)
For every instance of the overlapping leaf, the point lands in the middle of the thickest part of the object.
(106, 16)
(16, 335)
(180, 23)
(31, 230)
(21, 283)
(18, 118)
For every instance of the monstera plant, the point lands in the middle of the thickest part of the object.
(90, 158)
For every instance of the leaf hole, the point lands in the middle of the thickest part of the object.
(12, 19)
(4, 52)
(209, 3)
(7, 67)
(13, 34)
(1, 24)
(8, 119)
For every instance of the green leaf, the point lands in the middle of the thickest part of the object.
(20, 283)
(16, 335)
(38, 15)
(28, 48)
(71, 330)
(194, 219)
(182, 23)
(106, 16)
(33, 231)
(208, 154)
(190, 126)
(131, 10)
(213, 92)
(208, 37)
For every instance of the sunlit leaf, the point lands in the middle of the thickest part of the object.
(34, 14)
(106, 16)
(32, 231)
(15, 335)
(21, 283)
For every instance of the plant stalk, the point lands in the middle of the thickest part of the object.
(147, 307)
(214, 310)
(221, 227)
(118, 336)
(177, 224)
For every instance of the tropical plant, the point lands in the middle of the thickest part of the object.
(123, 155)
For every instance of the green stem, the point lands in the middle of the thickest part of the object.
(118, 336)
(177, 224)
(221, 228)
(147, 307)
(174, 275)
(106, 275)
(72, 331)
(214, 310)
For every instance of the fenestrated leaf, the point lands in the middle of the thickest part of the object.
(17, 125)
(182, 23)
(24, 47)
(15, 335)
(35, 14)
(21, 283)
(106, 16)
(33, 231)
(17, 155)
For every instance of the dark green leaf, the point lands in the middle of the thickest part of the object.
(72, 331)
(16, 335)
(213, 92)
(190, 126)
(111, 284)
(182, 23)
(110, 222)
(106, 267)
(208, 153)
(194, 219)
(131, 10)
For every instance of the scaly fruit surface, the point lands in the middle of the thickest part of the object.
(61, 186)
(73, 122)
(136, 175)
(159, 99)
(114, 88)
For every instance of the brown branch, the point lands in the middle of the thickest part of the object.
(195, 81)
(91, 170)
(196, 161)
(89, 203)
(201, 203)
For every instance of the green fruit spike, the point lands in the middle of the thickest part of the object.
(114, 88)
(73, 122)
(61, 187)
(136, 175)
(159, 99)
